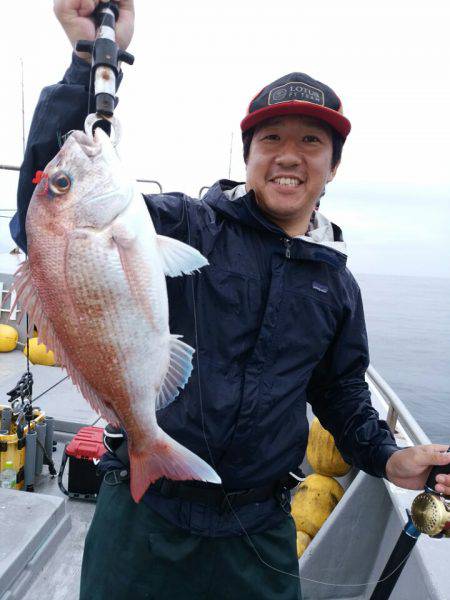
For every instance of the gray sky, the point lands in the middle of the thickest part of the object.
(199, 64)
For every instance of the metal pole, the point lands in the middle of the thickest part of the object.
(6, 419)
(23, 111)
(151, 181)
(231, 153)
(40, 430)
(49, 436)
(9, 168)
(30, 459)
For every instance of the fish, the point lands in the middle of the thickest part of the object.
(94, 286)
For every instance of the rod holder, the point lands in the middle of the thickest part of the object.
(6, 419)
(30, 460)
(40, 431)
(50, 421)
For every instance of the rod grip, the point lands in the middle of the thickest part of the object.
(435, 471)
(396, 562)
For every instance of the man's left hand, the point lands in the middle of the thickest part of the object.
(409, 468)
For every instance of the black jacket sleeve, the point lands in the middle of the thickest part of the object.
(340, 397)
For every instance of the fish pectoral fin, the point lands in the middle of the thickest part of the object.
(178, 373)
(178, 258)
(123, 235)
(133, 265)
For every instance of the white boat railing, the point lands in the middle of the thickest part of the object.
(397, 411)
(16, 168)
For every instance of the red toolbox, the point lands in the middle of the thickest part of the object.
(83, 454)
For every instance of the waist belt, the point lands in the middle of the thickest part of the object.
(204, 493)
(215, 496)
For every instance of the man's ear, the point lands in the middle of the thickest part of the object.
(333, 172)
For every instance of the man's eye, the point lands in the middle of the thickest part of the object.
(271, 136)
(311, 139)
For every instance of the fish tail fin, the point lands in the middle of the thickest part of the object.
(166, 458)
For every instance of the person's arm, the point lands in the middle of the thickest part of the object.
(340, 397)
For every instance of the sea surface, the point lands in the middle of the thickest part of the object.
(408, 324)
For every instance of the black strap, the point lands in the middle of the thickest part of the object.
(213, 495)
(122, 454)
(76, 495)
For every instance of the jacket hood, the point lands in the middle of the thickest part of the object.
(323, 240)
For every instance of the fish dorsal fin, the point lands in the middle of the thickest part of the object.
(31, 303)
(178, 258)
(179, 371)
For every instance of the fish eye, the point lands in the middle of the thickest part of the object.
(60, 182)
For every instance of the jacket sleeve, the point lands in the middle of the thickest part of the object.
(169, 213)
(340, 396)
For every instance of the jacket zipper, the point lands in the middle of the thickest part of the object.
(288, 244)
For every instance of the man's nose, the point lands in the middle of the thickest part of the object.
(289, 155)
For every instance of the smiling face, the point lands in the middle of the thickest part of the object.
(288, 166)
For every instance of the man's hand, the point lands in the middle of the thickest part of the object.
(76, 18)
(409, 468)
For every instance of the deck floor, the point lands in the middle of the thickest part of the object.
(59, 579)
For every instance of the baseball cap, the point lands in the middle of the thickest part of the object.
(297, 94)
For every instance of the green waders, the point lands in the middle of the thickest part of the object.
(133, 553)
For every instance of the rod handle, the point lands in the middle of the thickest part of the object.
(435, 471)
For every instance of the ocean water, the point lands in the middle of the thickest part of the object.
(408, 324)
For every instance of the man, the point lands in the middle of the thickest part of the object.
(276, 320)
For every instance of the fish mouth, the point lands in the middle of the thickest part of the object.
(86, 143)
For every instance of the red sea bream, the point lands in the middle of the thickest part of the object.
(94, 285)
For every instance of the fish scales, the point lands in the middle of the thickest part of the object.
(94, 284)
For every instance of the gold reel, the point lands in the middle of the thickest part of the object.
(430, 514)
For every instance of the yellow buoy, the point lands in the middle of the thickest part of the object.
(322, 454)
(303, 541)
(8, 338)
(313, 503)
(39, 354)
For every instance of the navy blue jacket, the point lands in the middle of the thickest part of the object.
(276, 322)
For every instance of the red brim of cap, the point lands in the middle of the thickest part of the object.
(340, 123)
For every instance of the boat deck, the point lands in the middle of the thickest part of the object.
(42, 545)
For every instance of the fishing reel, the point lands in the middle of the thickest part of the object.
(430, 514)
(430, 511)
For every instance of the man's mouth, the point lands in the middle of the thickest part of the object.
(287, 181)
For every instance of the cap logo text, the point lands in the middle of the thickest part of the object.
(296, 91)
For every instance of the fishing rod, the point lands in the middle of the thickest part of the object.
(105, 59)
(430, 514)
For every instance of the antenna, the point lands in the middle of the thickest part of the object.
(231, 152)
(23, 111)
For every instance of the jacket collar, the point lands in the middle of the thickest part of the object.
(243, 208)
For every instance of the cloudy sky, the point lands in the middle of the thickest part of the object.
(199, 63)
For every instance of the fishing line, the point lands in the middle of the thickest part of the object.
(50, 388)
(230, 506)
